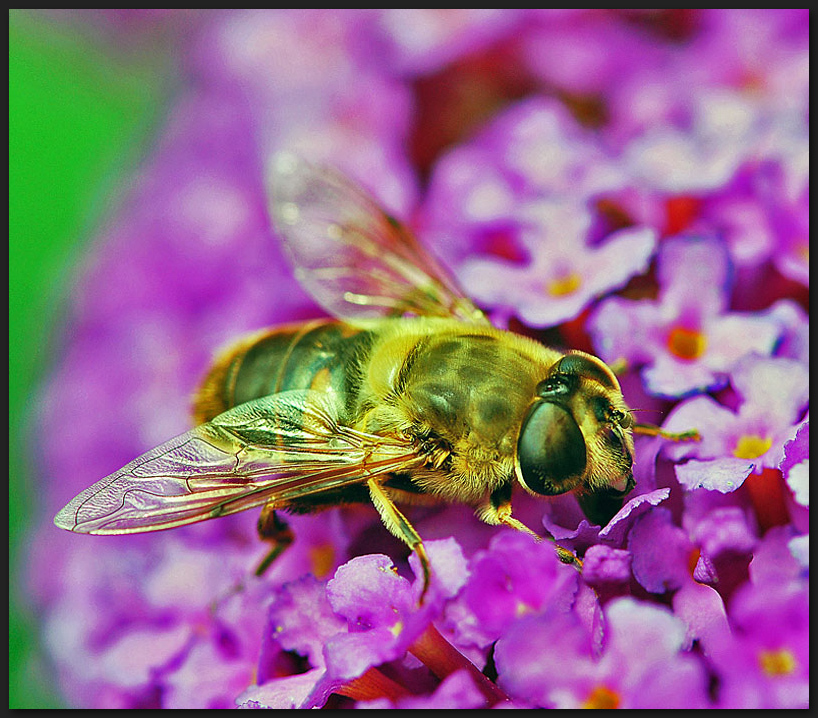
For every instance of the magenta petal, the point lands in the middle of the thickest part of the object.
(513, 577)
(350, 655)
(287, 692)
(660, 551)
(449, 569)
(702, 609)
(724, 475)
(704, 571)
(368, 592)
(795, 464)
(603, 564)
(796, 450)
(724, 529)
(526, 653)
(302, 620)
(615, 530)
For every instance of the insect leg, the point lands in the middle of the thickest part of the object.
(277, 532)
(498, 512)
(653, 430)
(399, 525)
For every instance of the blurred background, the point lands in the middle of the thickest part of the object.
(80, 114)
(90, 91)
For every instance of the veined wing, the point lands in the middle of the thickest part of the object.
(278, 448)
(355, 259)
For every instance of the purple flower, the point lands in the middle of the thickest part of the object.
(549, 185)
(789, 221)
(774, 393)
(763, 216)
(764, 661)
(722, 129)
(687, 340)
(419, 41)
(585, 535)
(514, 576)
(642, 662)
(366, 616)
(565, 274)
(661, 552)
(795, 464)
(149, 632)
(499, 196)
(602, 565)
(308, 89)
(793, 324)
(667, 559)
(586, 52)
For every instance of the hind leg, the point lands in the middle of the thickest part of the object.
(275, 531)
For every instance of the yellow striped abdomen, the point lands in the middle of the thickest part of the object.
(321, 355)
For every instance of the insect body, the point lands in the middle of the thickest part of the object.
(459, 395)
(409, 396)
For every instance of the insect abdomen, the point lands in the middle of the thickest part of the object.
(323, 355)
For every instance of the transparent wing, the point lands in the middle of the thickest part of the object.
(355, 259)
(278, 448)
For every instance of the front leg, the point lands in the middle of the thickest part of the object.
(400, 527)
(497, 512)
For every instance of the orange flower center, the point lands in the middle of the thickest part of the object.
(693, 560)
(777, 663)
(322, 558)
(602, 697)
(802, 250)
(687, 344)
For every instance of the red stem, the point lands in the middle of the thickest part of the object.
(443, 659)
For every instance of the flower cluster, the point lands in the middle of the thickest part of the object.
(631, 183)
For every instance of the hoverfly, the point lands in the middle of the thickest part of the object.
(409, 396)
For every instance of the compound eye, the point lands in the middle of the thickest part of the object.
(556, 386)
(550, 449)
(581, 364)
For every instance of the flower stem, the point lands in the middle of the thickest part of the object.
(443, 659)
(371, 685)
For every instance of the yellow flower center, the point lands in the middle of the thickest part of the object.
(687, 344)
(564, 284)
(602, 697)
(522, 609)
(751, 446)
(396, 628)
(777, 663)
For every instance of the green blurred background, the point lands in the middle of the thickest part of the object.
(85, 97)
